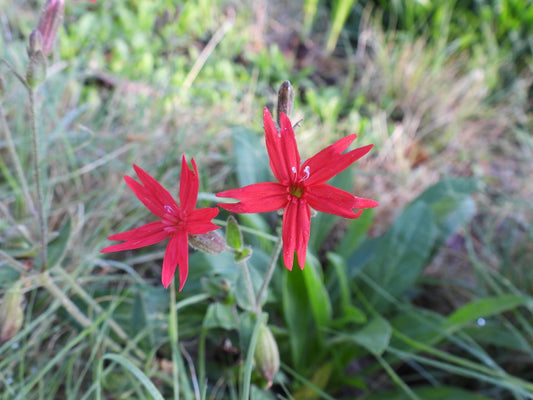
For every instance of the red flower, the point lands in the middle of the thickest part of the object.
(299, 186)
(176, 222)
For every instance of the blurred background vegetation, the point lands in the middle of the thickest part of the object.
(428, 296)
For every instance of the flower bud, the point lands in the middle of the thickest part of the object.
(285, 100)
(211, 242)
(35, 43)
(11, 314)
(49, 21)
(266, 354)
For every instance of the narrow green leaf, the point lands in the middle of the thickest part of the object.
(316, 292)
(484, 308)
(143, 379)
(299, 318)
(58, 247)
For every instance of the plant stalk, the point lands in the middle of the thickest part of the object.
(38, 182)
(270, 271)
(173, 337)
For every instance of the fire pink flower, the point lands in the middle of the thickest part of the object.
(299, 186)
(175, 222)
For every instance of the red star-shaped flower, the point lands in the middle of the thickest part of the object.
(299, 186)
(175, 222)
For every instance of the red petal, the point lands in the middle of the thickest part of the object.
(176, 253)
(199, 221)
(296, 230)
(259, 197)
(281, 147)
(189, 184)
(331, 200)
(329, 162)
(142, 236)
(154, 196)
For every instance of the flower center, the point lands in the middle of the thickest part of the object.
(297, 190)
(174, 220)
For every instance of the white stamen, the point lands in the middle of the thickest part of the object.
(307, 173)
(168, 209)
(293, 169)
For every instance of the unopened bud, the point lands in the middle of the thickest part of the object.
(49, 21)
(211, 242)
(266, 355)
(285, 100)
(35, 43)
(11, 314)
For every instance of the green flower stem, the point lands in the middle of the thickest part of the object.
(248, 364)
(173, 337)
(250, 287)
(270, 271)
(37, 173)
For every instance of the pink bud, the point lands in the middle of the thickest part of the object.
(51, 16)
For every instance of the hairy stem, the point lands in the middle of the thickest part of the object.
(173, 337)
(37, 174)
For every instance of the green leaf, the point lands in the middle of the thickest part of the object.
(450, 204)
(252, 161)
(375, 336)
(141, 377)
(355, 233)
(220, 316)
(400, 255)
(395, 260)
(306, 306)
(8, 276)
(484, 308)
(316, 292)
(350, 313)
(299, 319)
(58, 247)
(233, 234)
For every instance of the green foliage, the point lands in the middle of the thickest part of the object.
(123, 89)
(395, 260)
